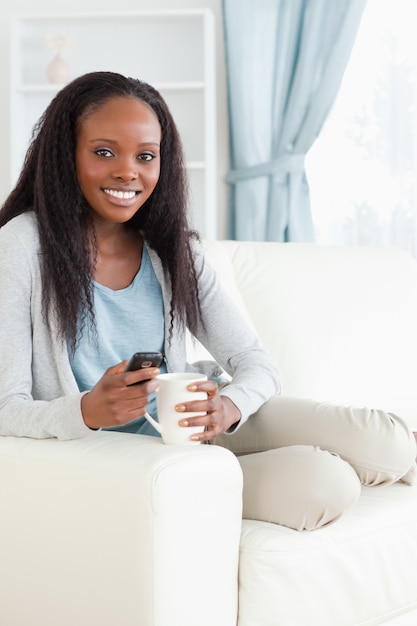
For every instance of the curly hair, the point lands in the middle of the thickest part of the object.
(48, 185)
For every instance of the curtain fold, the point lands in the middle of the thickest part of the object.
(285, 61)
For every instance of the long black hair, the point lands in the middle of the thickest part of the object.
(48, 185)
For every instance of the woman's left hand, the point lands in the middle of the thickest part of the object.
(221, 412)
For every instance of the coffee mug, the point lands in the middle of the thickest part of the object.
(172, 390)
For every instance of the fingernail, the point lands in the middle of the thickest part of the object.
(195, 438)
(183, 423)
(192, 387)
(180, 408)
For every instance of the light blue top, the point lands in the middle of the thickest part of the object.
(127, 320)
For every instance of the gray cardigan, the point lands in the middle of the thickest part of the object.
(39, 397)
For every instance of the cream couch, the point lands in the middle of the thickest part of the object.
(121, 530)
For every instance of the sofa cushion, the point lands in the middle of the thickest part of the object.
(362, 570)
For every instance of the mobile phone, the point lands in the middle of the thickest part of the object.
(140, 360)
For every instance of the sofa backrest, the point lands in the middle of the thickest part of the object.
(340, 322)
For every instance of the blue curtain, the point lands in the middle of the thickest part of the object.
(285, 61)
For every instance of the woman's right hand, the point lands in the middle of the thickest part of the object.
(115, 399)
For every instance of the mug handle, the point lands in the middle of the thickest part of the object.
(154, 423)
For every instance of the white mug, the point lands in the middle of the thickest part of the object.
(172, 390)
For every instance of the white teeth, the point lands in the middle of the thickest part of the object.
(123, 195)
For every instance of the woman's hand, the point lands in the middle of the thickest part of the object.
(221, 412)
(116, 399)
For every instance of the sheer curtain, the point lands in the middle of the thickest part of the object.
(362, 169)
(285, 61)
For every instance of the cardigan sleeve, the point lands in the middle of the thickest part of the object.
(57, 411)
(233, 343)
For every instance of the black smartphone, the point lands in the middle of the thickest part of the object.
(140, 360)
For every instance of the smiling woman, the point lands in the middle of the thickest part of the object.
(104, 228)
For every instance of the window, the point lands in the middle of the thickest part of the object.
(362, 169)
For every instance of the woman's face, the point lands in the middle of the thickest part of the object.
(118, 158)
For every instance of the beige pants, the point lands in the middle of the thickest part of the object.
(303, 461)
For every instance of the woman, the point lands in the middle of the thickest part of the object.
(98, 262)
(102, 197)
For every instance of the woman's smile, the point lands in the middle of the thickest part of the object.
(122, 197)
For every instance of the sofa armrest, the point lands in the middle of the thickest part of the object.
(118, 529)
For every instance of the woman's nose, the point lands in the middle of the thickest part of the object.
(126, 169)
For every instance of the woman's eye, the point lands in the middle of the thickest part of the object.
(103, 152)
(146, 156)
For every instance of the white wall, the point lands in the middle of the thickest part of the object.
(8, 8)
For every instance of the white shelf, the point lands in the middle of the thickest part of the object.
(172, 50)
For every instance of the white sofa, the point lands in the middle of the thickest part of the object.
(121, 530)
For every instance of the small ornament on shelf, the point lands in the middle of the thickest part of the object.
(58, 71)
